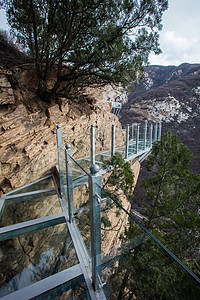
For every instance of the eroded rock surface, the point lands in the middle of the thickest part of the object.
(28, 147)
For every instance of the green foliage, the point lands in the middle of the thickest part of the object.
(170, 201)
(172, 196)
(105, 221)
(121, 177)
(99, 41)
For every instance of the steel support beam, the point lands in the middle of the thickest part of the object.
(10, 199)
(29, 226)
(50, 286)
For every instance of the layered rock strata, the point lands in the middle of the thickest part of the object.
(28, 147)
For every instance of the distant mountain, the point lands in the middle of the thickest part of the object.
(172, 95)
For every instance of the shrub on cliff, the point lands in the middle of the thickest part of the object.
(100, 41)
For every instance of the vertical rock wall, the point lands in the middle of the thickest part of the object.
(28, 147)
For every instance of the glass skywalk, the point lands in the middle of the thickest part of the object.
(64, 236)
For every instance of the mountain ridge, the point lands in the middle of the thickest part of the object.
(171, 95)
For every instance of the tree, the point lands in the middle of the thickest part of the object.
(170, 202)
(121, 177)
(119, 184)
(98, 41)
(172, 196)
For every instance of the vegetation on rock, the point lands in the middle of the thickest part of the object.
(99, 42)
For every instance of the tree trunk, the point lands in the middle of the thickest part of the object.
(123, 285)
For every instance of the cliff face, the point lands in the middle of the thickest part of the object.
(28, 147)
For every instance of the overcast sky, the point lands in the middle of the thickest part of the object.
(180, 37)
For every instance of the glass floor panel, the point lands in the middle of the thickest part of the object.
(79, 292)
(46, 183)
(44, 205)
(28, 258)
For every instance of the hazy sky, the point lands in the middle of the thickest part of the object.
(180, 37)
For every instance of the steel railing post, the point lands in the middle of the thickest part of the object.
(155, 132)
(95, 223)
(113, 141)
(68, 154)
(127, 141)
(59, 137)
(61, 164)
(137, 137)
(151, 135)
(159, 130)
(92, 142)
(145, 134)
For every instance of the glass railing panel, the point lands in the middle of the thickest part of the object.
(113, 222)
(28, 258)
(121, 150)
(155, 133)
(30, 207)
(103, 138)
(135, 265)
(85, 163)
(82, 213)
(120, 137)
(141, 138)
(79, 173)
(81, 209)
(131, 148)
(100, 159)
(132, 139)
(148, 136)
(82, 141)
(62, 173)
(46, 183)
(132, 132)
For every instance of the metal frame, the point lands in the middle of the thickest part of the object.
(29, 226)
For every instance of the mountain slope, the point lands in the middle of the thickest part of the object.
(171, 95)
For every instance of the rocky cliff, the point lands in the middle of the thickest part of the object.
(171, 95)
(28, 148)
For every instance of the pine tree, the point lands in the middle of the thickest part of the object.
(170, 203)
(99, 42)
